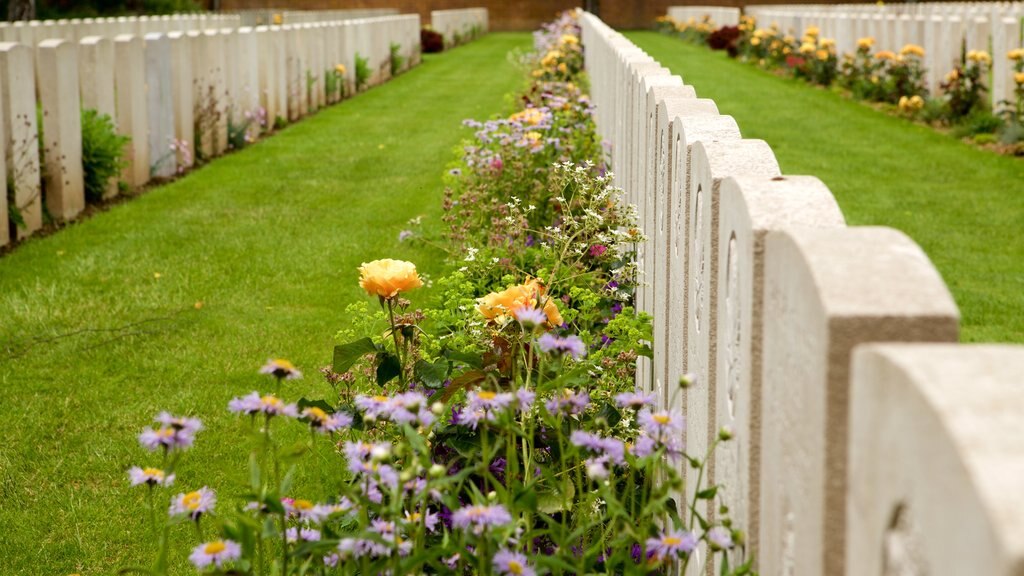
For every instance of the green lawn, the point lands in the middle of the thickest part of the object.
(965, 207)
(102, 325)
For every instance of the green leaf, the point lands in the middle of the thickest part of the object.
(610, 415)
(468, 358)
(526, 499)
(707, 494)
(321, 404)
(388, 368)
(432, 375)
(345, 355)
(254, 472)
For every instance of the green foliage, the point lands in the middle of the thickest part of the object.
(362, 72)
(397, 60)
(102, 153)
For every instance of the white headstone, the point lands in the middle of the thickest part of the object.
(57, 71)
(163, 156)
(17, 93)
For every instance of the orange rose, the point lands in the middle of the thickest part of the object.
(387, 277)
(499, 306)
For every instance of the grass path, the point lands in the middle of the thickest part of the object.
(101, 326)
(965, 207)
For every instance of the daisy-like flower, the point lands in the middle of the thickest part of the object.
(634, 400)
(671, 543)
(269, 404)
(360, 547)
(509, 563)
(304, 510)
(612, 448)
(660, 424)
(429, 519)
(194, 504)
(525, 399)
(150, 476)
(720, 538)
(379, 407)
(569, 402)
(331, 560)
(571, 345)
(323, 422)
(529, 316)
(484, 406)
(175, 433)
(281, 369)
(479, 518)
(217, 553)
(302, 534)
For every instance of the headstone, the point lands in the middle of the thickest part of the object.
(163, 154)
(5, 223)
(183, 96)
(17, 94)
(57, 71)
(936, 441)
(132, 117)
(749, 208)
(249, 81)
(827, 291)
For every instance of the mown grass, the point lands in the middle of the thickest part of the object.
(964, 206)
(174, 300)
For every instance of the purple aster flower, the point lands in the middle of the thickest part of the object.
(269, 404)
(217, 553)
(193, 504)
(484, 406)
(479, 518)
(304, 510)
(303, 534)
(361, 547)
(612, 448)
(569, 402)
(672, 543)
(192, 425)
(150, 476)
(323, 422)
(281, 369)
(405, 235)
(720, 538)
(659, 425)
(530, 317)
(429, 520)
(331, 560)
(375, 406)
(634, 400)
(525, 399)
(509, 563)
(530, 240)
(571, 345)
(174, 433)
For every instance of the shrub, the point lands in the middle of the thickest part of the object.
(431, 41)
(362, 72)
(724, 38)
(964, 87)
(102, 153)
(397, 60)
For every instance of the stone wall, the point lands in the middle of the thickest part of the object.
(853, 454)
(175, 85)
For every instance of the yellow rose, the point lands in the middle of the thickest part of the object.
(563, 68)
(340, 69)
(387, 277)
(812, 31)
(885, 55)
(277, 20)
(823, 54)
(979, 56)
(529, 117)
(1019, 78)
(1016, 55)
(755, 41)
(865, 43)
(827, 43)
(568, 40)
(912, 50)
(807, 48)
(499, 306)
(916, 102)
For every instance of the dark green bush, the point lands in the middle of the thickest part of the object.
(102, 153)
(362, 72)
(397, 60)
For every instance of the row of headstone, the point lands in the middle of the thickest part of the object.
(719, 15)
(849, 457)
(32, 32)
(461, 24)
(271, 17)
(943, 30)
(176, 95)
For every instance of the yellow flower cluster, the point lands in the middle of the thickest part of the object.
(912, 50)
(1016, 54)
(812, 31)
(568, 40)
(885, 55)
(865, 43)
(340, 69)
(550, 60)
(387, 278)
(277, 19)
(807, 48)
(500, 306)
(980, 57)
(529, 117)
(1019, 78)
(912, 104)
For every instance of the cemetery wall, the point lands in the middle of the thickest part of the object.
(458, 25)
(867, 441)
(179, 86)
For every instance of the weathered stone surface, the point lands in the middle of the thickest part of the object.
(827, 291)
(57, 73)
(17, 93)
(749, 208)
(936, 442)
(132, 117)
(163, 156)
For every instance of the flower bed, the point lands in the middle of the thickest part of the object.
(498, 432)
(893, 80)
